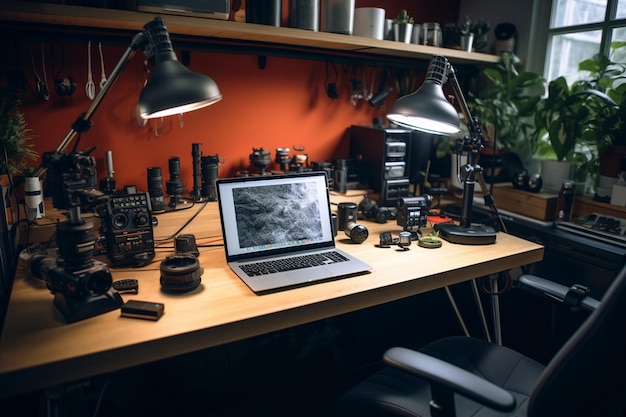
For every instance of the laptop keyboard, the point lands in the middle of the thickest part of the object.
(292, 263)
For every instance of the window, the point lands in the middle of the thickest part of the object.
(578, 30)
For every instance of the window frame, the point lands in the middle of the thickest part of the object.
(544, 12)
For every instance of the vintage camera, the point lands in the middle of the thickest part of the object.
(413, 211)
(92, 281)
(127, 228)
(78, 293)
(72, 180)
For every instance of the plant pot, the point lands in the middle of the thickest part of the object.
(611, 161)
(402, 32)
(604, 186)
(467, 42)
(6, 199)
(553, 173)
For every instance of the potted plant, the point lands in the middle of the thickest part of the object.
(559, 120)
(452, 33)
(504, 100)
(15, 149)
(604, 95)
(15, 137)
(585, 122)
(403, 26)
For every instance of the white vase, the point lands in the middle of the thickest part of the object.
(369, 22)
(553, 173)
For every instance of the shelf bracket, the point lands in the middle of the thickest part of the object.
(262, 61)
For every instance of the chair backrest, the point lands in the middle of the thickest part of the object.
(587, 377)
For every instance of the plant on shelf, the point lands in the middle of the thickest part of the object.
(403, 27)
(403, 17)
(452, 33)
(15, 136)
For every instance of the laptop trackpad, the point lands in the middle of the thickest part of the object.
(307, 274)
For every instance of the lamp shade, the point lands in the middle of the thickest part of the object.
(427, 109)
(173, 88)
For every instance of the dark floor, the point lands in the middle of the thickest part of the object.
(295, 372)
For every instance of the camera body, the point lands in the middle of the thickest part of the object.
(92, 281)
(127, 228)
(413, 211)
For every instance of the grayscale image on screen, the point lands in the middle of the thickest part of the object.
(277, 214)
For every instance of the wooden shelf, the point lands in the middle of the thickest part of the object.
(586, 205)
(46, 17)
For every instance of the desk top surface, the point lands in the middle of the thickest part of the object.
(38, 348)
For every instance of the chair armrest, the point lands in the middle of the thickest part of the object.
(457, 379)
(556, 291)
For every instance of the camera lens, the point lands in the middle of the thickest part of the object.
(76, 244)
(155, 188)
(98, 282)
(174, 167)
(210, 165)
(356, 232)
(346, 212)
(174, 185)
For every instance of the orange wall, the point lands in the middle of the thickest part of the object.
(283, 105)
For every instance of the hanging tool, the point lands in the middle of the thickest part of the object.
(90, 87)
(103, 77)
(42, 84)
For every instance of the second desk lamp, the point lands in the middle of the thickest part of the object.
(428, 110)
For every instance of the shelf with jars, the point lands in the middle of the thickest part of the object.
(36, 19)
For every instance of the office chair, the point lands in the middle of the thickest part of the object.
(464, 376)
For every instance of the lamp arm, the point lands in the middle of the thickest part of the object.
(472, 123)
(83, 122)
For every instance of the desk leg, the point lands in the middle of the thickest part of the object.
(495, 306)
(457, 312)
(479, 305)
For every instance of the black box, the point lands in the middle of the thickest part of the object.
(383, 155)
(213, 9)
(143, 310)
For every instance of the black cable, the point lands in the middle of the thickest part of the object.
(508, 284)
(180, 229)
(52, 55)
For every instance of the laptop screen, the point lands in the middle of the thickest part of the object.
(265, 215)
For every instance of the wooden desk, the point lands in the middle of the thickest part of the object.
(38, 349)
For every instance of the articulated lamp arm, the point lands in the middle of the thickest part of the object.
(83, 122)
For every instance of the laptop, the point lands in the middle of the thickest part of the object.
(272, 220)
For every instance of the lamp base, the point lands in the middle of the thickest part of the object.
(472, 235)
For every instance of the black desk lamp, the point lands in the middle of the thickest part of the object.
(82, 285)
(172, 89)
(428, 110)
